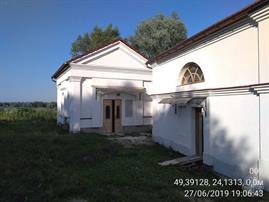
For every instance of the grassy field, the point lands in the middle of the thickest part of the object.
(40, 162)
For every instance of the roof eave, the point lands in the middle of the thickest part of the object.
(66, 65)
(61, 69)
(211, 30)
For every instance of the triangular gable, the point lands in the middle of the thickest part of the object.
(115, 55)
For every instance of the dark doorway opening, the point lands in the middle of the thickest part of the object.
(199, 136)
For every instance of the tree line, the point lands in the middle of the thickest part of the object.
(36, 104)
(151, 37)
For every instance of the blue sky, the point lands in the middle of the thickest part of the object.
(36, 35)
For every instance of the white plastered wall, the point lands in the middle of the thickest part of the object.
(233, 144)
(173, 127)
(63, 99)
(228, 61)
(233, 123)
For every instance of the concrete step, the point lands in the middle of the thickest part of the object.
(182, 160)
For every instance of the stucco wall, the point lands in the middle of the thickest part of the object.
(173, 128)
(235, 123)
(264, 114)
(233, 134)
(116, 57)
(63, 102)
(229, 61)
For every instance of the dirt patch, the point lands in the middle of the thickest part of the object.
(106, 152)
(129, 141)
(78, 200)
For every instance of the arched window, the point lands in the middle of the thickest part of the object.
(191, 73)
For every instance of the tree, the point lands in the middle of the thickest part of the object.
(81, 45)
(158, 34)
(97, 38)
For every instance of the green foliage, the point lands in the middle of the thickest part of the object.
(158, 34)
(97, 38)
(50, 105)
(26, 113)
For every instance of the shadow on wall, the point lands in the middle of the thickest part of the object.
(90, 101)
(230, 153)
(233, 154)
(230, 150)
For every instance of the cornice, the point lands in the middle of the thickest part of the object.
(74, 78)
(255, 89)
(261, 14)
(130, 70)
(260, 89)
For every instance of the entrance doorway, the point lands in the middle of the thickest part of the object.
(112, 115)
(199, 137)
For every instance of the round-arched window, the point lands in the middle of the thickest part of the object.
(191, 73)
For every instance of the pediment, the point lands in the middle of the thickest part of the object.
(118, 56)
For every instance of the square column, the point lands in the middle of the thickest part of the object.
(75, 102)
(264, 133)
(59, 121)
(262, 20)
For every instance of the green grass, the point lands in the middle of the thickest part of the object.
(40, 162)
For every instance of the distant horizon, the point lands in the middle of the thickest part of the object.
(36, 36)
(22, 101)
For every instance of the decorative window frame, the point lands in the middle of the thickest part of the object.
(192, 74)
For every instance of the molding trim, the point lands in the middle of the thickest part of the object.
(260, 15)
(96, 52)
(254, 89)
(231, 30)
(123, 79)
(211, 30)
(90, 58)
(261, 89)
(135, 57)
(212, 39)
(111, 69)
(75, 78)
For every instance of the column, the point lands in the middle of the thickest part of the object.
(59, 120)
(75, 102)
(262, 19)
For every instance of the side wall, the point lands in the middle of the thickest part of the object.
(173, 127)
(231, 128)
(63, 102)
(228, 60)
(235, 124)
(232, 137)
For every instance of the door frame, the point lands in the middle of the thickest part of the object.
(198, 131)
(113, 114)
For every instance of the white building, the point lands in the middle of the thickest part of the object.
(105, 90)
(211, 94)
